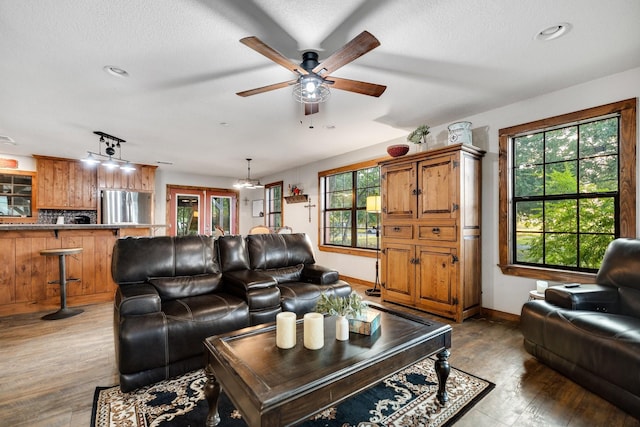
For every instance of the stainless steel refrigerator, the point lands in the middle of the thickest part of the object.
(126, 207)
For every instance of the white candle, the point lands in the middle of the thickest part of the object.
(313, 331)
(286, 329)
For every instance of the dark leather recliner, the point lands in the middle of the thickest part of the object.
(591, 333)
(170, 297)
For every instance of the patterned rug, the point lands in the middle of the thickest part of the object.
(404, 399)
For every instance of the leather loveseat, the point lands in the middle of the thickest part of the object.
(591, 333)
(172, 293)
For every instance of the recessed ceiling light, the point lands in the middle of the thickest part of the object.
(115, 71)
(553, 31)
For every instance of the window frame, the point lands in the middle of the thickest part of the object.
(627, 184)
(268, 212)
(33, 196)
(366, 252)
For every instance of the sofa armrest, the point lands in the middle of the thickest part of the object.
(138, 298)
(584, 297)
(247, 280)
(314, 273)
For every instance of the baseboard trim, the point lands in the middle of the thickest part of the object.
(499, 315)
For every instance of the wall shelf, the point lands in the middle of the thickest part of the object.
(300, 198)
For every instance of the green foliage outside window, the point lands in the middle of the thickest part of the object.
(346, 221)
(565, 192)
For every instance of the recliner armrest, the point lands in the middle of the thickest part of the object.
(136, 299)
(247, 280)
(584, 297)
(314, 273)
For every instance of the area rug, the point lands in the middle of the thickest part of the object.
(404, 399)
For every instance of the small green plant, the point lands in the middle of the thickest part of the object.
(419, 135)
(349, 306)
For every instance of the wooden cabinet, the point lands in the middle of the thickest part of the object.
(431, 231)
(65, 184)
(143, 178)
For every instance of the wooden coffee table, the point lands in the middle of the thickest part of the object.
(275, 387)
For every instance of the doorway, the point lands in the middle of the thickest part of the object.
(198, 210)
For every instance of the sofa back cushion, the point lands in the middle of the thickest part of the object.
(270, 251)
(195, 255)
(621, 268)
(137, 258)
(170, 288)
(232, 253)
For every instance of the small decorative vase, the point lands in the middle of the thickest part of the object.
(342, 328)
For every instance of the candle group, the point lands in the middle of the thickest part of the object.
(286, 329)
(313, 331)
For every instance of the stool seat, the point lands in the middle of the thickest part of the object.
(64, 311)
(60, 251)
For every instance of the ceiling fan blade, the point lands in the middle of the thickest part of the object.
(356, 86)
(262, 48)
(311, 108)
(361, 44)
(266, 88)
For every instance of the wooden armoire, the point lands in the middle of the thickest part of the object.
(431, 230)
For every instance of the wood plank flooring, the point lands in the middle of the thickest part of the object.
(49, 371)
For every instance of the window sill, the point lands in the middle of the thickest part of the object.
(370, 253)
(547, 274)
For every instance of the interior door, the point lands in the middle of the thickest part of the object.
(187, 215)
(195, 211)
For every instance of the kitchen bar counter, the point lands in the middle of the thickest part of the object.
(25, 275)
(12, 227)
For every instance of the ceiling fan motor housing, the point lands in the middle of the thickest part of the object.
(309, 60)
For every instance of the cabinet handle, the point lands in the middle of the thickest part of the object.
(396, 229)
(454, 259)
(435, 230)
(414, 192)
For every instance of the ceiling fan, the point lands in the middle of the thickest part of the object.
(311, 87)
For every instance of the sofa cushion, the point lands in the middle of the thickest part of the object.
(195, 255)
(186, 286)
(232, 254)
(285, 274)
(127, 265)
(268, 251)
(191, 320)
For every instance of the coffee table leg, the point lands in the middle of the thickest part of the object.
(212, 393)
(442, 371)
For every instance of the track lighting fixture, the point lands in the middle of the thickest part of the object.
(111, 143)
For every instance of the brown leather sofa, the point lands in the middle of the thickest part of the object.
(591, 333)
(173, 292)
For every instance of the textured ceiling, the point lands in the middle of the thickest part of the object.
(441, 61)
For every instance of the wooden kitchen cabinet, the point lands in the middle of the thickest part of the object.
(65, 184)
(431, 211)
(143, 178)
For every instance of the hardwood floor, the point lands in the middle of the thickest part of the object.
(50, 369)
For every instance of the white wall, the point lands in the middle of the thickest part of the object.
(500, 292)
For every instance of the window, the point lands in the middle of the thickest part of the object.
(567, 189)
(345, 220)
(273, 194)
(16, 194)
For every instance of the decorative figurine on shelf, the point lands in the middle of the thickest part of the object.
(295, 190)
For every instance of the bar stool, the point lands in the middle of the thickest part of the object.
(64, 312)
